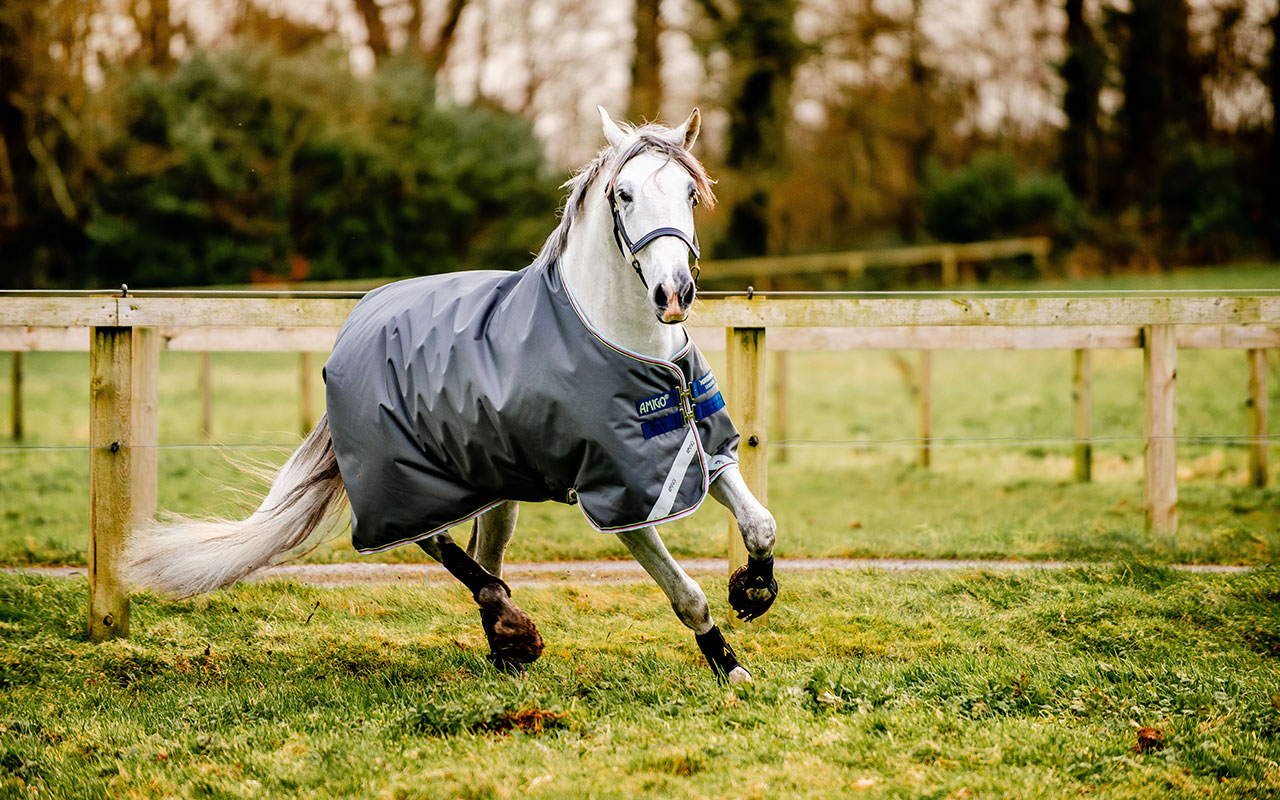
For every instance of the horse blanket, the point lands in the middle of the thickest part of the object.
(449, 394)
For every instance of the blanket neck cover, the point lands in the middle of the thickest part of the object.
(448, 394)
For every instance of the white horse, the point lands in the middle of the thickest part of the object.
(632, 296)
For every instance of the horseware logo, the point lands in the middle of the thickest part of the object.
(654, 404)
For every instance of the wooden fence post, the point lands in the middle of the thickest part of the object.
(110, 478)
(1257, 405)
(1160, 369)
(1082, 413)
(206, 405)
(924, 402)
(950, 266)
(780, 390)
(307, 419)
(747, 388)
(1040, 254)
(16, 400)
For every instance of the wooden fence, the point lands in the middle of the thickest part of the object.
(125, 335)
(766, 271)
(1253, 340)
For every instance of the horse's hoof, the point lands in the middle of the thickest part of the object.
(512, 635)
(739, 675)
(752, 593)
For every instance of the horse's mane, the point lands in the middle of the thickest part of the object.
(610, 160)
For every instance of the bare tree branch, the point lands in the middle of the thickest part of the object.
(439, 52)
(713, 11)
(414, 43)
(9, 217)
(53, 175)
(377, 30)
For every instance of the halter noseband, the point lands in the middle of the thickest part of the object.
(630, 248)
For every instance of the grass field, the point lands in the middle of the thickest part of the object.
(1128, 680)
(867, 684)
(857, 495)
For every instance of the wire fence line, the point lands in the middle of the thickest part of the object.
(955, 442)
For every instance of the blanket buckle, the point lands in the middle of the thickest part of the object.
(686, 407)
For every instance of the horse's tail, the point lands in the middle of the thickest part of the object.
(183, 556)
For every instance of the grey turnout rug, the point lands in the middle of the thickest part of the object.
(452, 393)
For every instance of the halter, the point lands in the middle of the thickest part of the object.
(629, 248)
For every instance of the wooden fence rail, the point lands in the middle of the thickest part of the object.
(765, 272)
(125, 334)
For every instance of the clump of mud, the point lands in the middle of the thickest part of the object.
(1149, 739)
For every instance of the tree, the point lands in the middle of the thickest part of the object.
(923, 133)
(155, 28)
(375, 28)
(763, 48)
(438, 53)
(43, 160)
(1082, 71)
(435, 55)
(646, 64)
(1273, 183)
(1164, 100)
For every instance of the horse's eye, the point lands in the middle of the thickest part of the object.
(693, 197)
(624, 196)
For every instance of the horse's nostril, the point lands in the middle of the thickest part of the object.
(660, 297)
(686, 295)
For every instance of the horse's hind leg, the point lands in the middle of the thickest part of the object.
(491, 535)
(513, 638)
(686, 598)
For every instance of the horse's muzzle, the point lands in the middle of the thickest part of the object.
(672, 299)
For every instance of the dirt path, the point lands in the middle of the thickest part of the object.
(603, 572)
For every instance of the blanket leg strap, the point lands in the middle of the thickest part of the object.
(717, 651)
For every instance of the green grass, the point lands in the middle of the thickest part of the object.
(1239, 277)
(860, 497)
(919, 685)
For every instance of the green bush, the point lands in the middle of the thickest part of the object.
(986, 199)
(1204, 203)
(244, 163)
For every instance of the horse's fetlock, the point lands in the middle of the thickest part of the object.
(493, 595)
(759, 532)
(693, 611)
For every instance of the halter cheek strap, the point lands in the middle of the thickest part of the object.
(630, 249)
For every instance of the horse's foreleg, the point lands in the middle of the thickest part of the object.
(754, 520)
(513, 638)
(686, 598)
(752, 588)
(491, 535)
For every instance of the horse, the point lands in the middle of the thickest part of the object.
(453, 398)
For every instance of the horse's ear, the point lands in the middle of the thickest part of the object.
(688, 132)
(612, 133)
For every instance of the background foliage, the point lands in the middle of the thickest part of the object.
(142, 141)
(242, 161)
(245, 165)
(987, 199)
